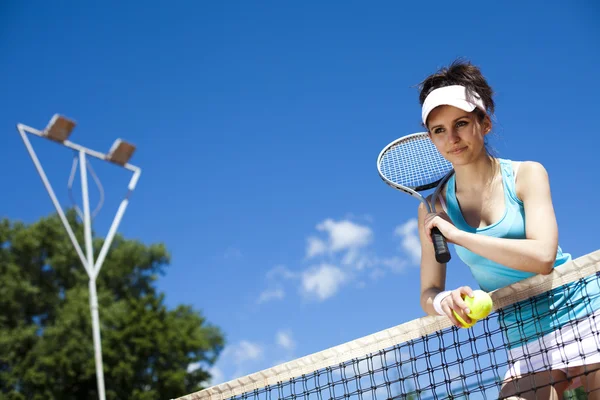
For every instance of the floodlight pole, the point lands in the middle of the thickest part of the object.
(92, 268)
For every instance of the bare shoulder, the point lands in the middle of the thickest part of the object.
(527, 170)
(529, 176)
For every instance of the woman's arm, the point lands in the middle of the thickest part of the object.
(433, 274)
(433, 280)
(537, 252)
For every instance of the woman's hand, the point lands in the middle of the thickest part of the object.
(443, 223)
(454, 301)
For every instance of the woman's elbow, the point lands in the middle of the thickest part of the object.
(547, 268)
(426, 302)
(547, 260)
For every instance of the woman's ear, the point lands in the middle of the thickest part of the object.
(487, 125)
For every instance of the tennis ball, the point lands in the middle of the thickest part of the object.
(480, 305)
(462, 321)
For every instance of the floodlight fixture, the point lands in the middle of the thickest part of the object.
(59, 128)
(120, 152)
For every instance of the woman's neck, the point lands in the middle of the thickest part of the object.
(476, 176)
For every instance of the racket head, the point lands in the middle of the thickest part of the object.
(412, 162)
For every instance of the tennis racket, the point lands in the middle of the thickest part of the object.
(412, 164)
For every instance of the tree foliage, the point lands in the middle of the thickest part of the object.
(46, 344)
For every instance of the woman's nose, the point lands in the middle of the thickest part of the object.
(453, 136)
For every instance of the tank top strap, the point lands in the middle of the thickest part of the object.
(508, 180)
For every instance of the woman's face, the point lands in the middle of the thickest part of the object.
(457, 134)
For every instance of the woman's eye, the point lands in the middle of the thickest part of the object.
(438, 130)
(461, 123)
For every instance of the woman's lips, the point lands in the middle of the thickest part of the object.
(457, 151)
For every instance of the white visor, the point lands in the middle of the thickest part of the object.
(455, 96)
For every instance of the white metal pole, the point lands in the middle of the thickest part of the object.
(88, 259)
(87, 224)
(87, 221)
(115, 225)
(97, 343)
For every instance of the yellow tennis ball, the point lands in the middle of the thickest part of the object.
(462, 321)
(480, 305)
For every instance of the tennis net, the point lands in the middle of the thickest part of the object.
(530, 328)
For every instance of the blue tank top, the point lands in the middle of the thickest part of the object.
(489, 274)
(526, 320)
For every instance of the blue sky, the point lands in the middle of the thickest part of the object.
(258, 125)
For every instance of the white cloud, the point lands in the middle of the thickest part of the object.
(281, 271)
(377, 273)
(395, 264)
(285, 341)
(342, 235)
(323, 281)
(358, 259)
(315, 247)
(217, 376)
(344, 256)
(410, 242)
(276, 291)
(246, 351)
(345, 234)
(381, 266)
(271, 294)
(193, 366)
(242, 358)
(245, 357)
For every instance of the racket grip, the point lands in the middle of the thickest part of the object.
(442, 253)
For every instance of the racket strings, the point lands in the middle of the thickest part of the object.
(414, 162)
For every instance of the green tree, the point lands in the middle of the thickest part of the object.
(46, 345)
(576, 394)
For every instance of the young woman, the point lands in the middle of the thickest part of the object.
(499, 215)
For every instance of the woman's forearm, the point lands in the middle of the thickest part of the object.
(427, 301)
(523, 254)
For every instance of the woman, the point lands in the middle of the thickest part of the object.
(499, 215)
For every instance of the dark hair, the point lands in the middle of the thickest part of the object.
(460, 72)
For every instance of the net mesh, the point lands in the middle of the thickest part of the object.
(546, 321)
(413, 162)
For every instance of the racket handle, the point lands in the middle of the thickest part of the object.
(442, 254)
